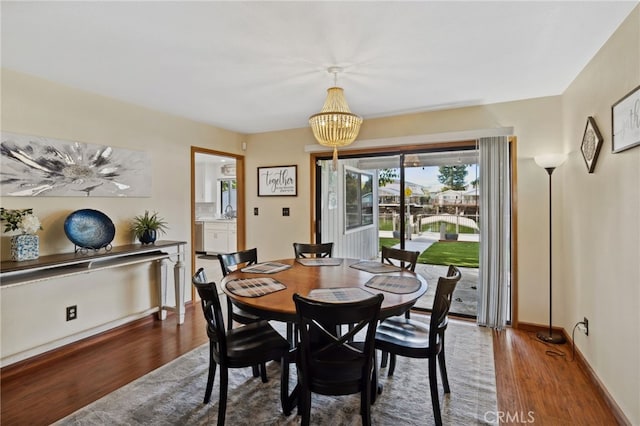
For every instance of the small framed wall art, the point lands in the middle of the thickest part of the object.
(278, 181)
(625, 122)
(591, 143)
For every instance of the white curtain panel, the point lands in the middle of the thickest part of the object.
(495, 232)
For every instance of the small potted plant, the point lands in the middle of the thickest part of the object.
(147, 227)
(26, 245)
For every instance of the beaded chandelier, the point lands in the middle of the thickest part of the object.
(335, 125)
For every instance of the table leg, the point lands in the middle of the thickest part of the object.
(162, 288)
(178, 281)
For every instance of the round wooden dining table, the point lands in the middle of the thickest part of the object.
(302, 279)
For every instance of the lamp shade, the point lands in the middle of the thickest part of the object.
(550, 160)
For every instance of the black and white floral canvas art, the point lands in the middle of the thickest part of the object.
(32, 166)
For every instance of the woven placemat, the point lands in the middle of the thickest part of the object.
(339, 295)
(320, 261)
(394, 283)
(266, 268)
(254, 287)
(375, 267)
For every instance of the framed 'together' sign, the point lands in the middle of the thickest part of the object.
(278, 181)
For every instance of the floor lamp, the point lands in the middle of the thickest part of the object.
(549, 163)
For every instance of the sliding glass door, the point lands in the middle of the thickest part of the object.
(427, 201)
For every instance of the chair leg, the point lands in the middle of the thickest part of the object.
(229, 314)
(284, 384)
(211, 377)
(443, 369)
(293, 335)
(433, 386)
(365, 404)
(374, 379)
(305, 407)
(256, 370)
(263, 372)
(392, 365)
(385, 356)
(289, 333)
(224, 383)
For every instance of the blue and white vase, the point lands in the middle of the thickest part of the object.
(25, 247)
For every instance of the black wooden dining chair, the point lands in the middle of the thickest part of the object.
(242, 317)
(249, 345)
(229, 262)
(403, 258)
(303, 250)
(332, 363)
(399, 257)
(414, 339)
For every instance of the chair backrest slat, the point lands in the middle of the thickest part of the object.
(404, 258)
(231, 261)
(303, 250)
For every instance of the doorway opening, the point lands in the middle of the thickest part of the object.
(217, 208)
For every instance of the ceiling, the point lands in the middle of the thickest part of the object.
(260, 66)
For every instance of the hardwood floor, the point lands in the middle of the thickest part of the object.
(48, 388)
(545, 389)
(532, 387)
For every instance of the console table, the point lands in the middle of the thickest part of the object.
(67, 264)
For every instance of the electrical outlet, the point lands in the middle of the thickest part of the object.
(586, 326)
(72, 312)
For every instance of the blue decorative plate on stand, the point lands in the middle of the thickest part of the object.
(89, 229)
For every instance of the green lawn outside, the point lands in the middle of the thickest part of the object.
(458, 253)
(388, 242)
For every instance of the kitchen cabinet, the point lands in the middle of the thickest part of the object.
(219, 236)
(205, 187)
(233, 237)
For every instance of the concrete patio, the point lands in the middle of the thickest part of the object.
(465, 294)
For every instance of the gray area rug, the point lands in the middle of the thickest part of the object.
(172, 394)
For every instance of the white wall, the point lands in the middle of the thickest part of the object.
(599, 224)
(36, 107)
